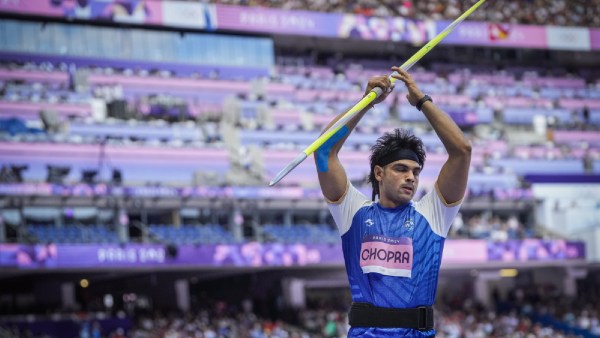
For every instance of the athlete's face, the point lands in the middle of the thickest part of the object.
(398, 182)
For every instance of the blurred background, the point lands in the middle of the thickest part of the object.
(137, 138)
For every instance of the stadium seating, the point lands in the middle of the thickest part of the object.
(73, 234)
(297, 233)
(191, 234)
(206, 96)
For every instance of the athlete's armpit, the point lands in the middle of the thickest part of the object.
(344, 209)
(341, 199)
(449, 205)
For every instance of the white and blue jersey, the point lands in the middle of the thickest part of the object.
(392, 256)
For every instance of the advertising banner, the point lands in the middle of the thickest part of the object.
(568, 38)
(84, 190)
(495, 35)
(129, 11)
(462, 251)
(198, 15)
(126, 11)
(253, 254)
(386, 29)
(595, 38)
(276, 21)
(534, 250)
(250, 254)
(187, 14)
(40, 8)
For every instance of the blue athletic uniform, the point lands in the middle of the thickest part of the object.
(392, 256)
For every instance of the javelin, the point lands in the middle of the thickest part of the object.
(373, 94)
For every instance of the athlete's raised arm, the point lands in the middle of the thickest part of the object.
(332, 176)
(452, 180)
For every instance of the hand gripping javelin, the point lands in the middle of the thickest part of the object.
(373, 94)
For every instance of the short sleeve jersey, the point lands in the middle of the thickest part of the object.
(392, 256)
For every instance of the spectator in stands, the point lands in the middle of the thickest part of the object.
(398, 227)
(586, 116)
(588, 162)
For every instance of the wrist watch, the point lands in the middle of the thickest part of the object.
(422, 101)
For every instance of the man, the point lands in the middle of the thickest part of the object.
(393, 247)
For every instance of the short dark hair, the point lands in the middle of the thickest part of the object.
(392, 142)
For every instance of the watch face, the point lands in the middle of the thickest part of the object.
(423, 100)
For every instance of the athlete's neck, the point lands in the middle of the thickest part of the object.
(389, 204)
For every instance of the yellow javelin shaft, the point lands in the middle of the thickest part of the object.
(373, 94)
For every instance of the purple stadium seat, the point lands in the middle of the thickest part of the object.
(34, 76)
(30, 110)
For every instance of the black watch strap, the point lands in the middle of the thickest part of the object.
(422, 101)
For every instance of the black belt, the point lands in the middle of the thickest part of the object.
(369, 315)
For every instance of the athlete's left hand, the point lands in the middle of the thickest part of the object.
(414, 93)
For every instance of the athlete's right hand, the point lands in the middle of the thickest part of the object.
(382, 82)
